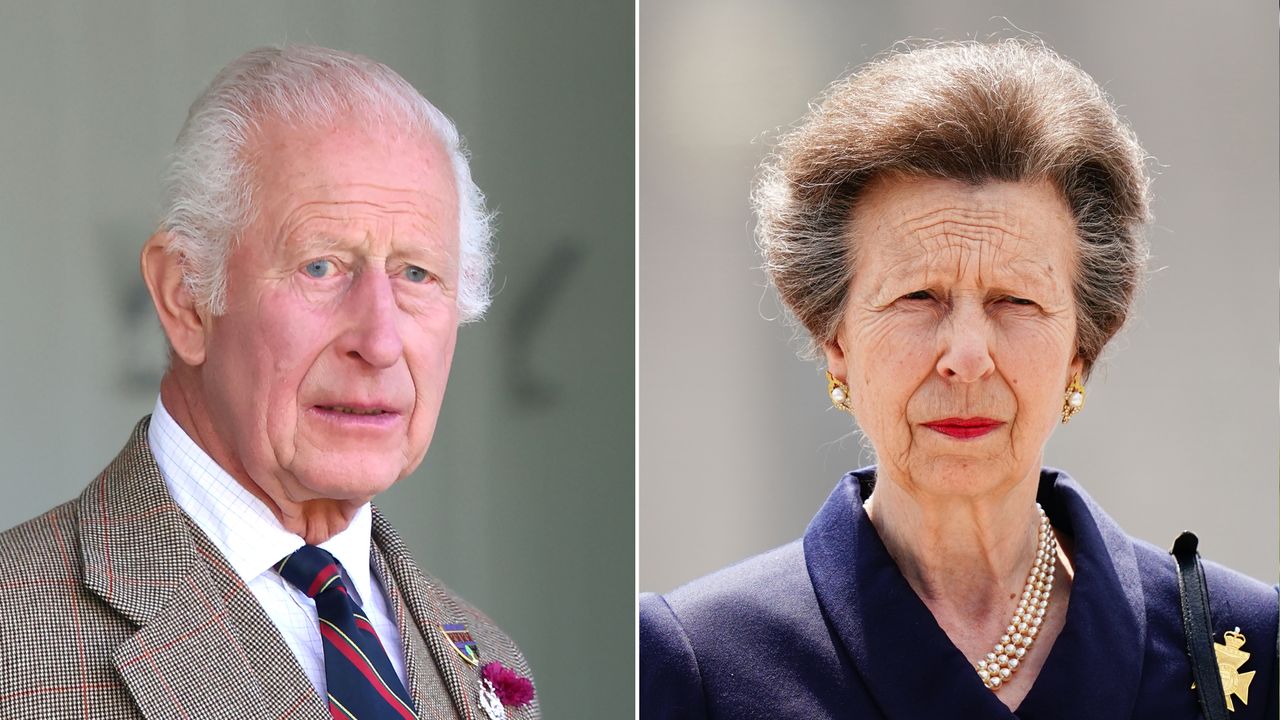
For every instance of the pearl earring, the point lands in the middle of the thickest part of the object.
(1072, 400)
(839, 393)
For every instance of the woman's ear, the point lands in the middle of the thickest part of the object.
(834, 350)
(1076, 369)
(184, 323)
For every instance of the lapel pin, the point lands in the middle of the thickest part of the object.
(461, 642)
(1230, 658)
(500, 686)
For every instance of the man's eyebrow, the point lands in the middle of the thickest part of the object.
(326, 241)
(400, 250)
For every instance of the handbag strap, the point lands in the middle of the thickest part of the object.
(1195, 623)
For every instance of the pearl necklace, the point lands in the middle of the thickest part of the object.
(998, 667)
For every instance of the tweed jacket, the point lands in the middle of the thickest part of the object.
(828, 627)
(116, 605)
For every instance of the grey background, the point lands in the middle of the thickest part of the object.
(738, 444)
(525, 504)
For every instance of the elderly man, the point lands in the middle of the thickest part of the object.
(322, 240)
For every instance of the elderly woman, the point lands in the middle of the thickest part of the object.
(958, 229)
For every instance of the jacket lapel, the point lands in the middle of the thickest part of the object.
(1101, 647)
(187, 658)
(885, 629)
(431, 694)
(433, 666)
(289, 692)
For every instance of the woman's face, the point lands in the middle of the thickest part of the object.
(958, 335)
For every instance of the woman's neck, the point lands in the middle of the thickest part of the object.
(967, 557)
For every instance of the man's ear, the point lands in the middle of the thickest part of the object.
(184, 323)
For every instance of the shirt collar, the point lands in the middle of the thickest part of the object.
(240, 525)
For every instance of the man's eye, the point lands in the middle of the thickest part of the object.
(1019, 301)
(917, 295)
(415, 274)
(318, 268)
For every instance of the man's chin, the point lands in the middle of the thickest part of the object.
(353, 483)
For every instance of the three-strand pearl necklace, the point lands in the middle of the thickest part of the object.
(999, 665)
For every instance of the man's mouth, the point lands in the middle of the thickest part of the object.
(352, 410)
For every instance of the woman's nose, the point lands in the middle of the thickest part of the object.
(965, 354)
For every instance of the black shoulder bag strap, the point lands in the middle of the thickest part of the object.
(1195, 622)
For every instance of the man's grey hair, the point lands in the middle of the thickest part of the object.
(972, 112)
(208, 197)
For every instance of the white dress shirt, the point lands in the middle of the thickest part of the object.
(253, 541)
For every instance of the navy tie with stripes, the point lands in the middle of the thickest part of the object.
(362, 683)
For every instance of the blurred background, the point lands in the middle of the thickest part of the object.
(738, 442)
(525, 503)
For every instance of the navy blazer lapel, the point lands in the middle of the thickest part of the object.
(874, 612)
(186, 659)
(1102, 645)
(883, 626)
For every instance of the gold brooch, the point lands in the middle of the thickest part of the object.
(1230, 658)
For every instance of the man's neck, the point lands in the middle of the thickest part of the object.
(315, 520)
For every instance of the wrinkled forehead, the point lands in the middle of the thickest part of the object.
(912, 226)
(352, 151)
(344, 187)
(349, 170)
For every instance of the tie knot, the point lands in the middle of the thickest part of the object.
(311, 570)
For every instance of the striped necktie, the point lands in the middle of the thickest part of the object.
(362, 683)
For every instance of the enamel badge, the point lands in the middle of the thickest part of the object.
(461, 642)
(1230, 658)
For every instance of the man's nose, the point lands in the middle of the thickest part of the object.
(372, 314)
(965, 337)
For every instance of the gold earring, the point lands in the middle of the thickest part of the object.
(839, 393)
(1072, 400)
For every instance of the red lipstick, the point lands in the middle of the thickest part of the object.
(964, 428)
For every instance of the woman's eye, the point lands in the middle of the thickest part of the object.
(415, 274)
(1018, 301)
(318, 268)
(918, 295)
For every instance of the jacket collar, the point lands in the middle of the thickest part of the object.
(136, 547)
(894, 641)
(144, 558)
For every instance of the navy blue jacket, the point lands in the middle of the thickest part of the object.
(827, 627)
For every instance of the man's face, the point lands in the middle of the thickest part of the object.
(325, 374)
